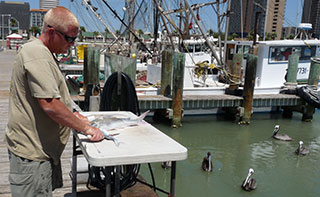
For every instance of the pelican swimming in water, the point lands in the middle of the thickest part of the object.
(283, 137)
(249, 183)
(301, 150)
(207, 163)
(166, 164)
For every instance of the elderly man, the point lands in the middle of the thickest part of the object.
(40, 109)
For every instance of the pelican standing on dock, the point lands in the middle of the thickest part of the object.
(249, 183)
(207, 163)
(301, 149)
(283, 137)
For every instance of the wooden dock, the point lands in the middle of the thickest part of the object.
(216, 101)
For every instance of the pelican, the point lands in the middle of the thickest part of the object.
(301, 150)
(283, 137)
(249, 183)
(207, 163)
(166, 164)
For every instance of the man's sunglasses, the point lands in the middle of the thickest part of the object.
(69, 39)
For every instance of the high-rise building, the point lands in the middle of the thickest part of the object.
(19, 12)
(36, 17)
(48, 4)
(270, 16)
(311, 14)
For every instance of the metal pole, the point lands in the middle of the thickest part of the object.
(203, 33)
(226, 33)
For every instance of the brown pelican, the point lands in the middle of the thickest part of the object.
(207, 163)
(249, 183)
(301, 150)
(166, 164)
(283, 137)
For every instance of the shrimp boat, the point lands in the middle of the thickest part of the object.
(271, 66)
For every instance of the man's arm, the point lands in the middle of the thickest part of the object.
(58, 112)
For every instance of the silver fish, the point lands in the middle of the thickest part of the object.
(106, 123)
(111, 123)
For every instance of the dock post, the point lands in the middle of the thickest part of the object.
(249, 88)
(91, 69)
(313, 81)
(91, 65)
(177, 87)
(166, 72)
(293, 61)
(290, 86)
(235, 72)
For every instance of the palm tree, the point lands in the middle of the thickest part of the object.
(210, 32)
(82, 29)
(117, 32)
(34, 30)
(95, 34)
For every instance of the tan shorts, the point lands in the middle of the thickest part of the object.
(29, 178)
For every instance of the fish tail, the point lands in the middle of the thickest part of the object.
(142, 116)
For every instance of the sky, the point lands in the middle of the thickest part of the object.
(293, 13)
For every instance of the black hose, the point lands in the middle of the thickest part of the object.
(126, 101)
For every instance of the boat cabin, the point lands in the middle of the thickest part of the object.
(273, 59)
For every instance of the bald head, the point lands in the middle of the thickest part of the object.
(60, 18)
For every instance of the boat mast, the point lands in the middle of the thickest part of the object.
(227, 32)
(131, 11)
(203, 34)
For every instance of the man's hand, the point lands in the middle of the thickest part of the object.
(95, 133)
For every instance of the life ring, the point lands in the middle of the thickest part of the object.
(309, 95)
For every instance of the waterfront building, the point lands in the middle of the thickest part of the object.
(19, 12)
(48, 4)
(270, 17)
(311, 14)
(36, 17)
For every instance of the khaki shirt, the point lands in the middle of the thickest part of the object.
(30, 132)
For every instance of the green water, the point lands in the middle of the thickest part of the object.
(235, 149)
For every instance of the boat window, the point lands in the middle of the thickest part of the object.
(282, 53)
(198, 48)
(188, 48)
(246, 49)
(230, 53)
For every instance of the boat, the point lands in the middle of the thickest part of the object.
(271, 66)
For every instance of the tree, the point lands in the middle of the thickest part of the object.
(117, 32)
(140, 32)
(82, 29)
(14, 25)
(274, 35)
(95, 34)
(34, 30)
(210, 32)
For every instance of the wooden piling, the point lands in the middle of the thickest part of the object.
(177, 84)
(91, 65)
(166, 72)
(235, 71)
(293, 62)
(249, 88)
(313, 81)
(291, 80)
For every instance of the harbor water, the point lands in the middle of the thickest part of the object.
(236, 148)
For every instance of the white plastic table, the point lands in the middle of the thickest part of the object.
(138, 144)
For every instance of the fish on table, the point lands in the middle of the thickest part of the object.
(106, 123)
